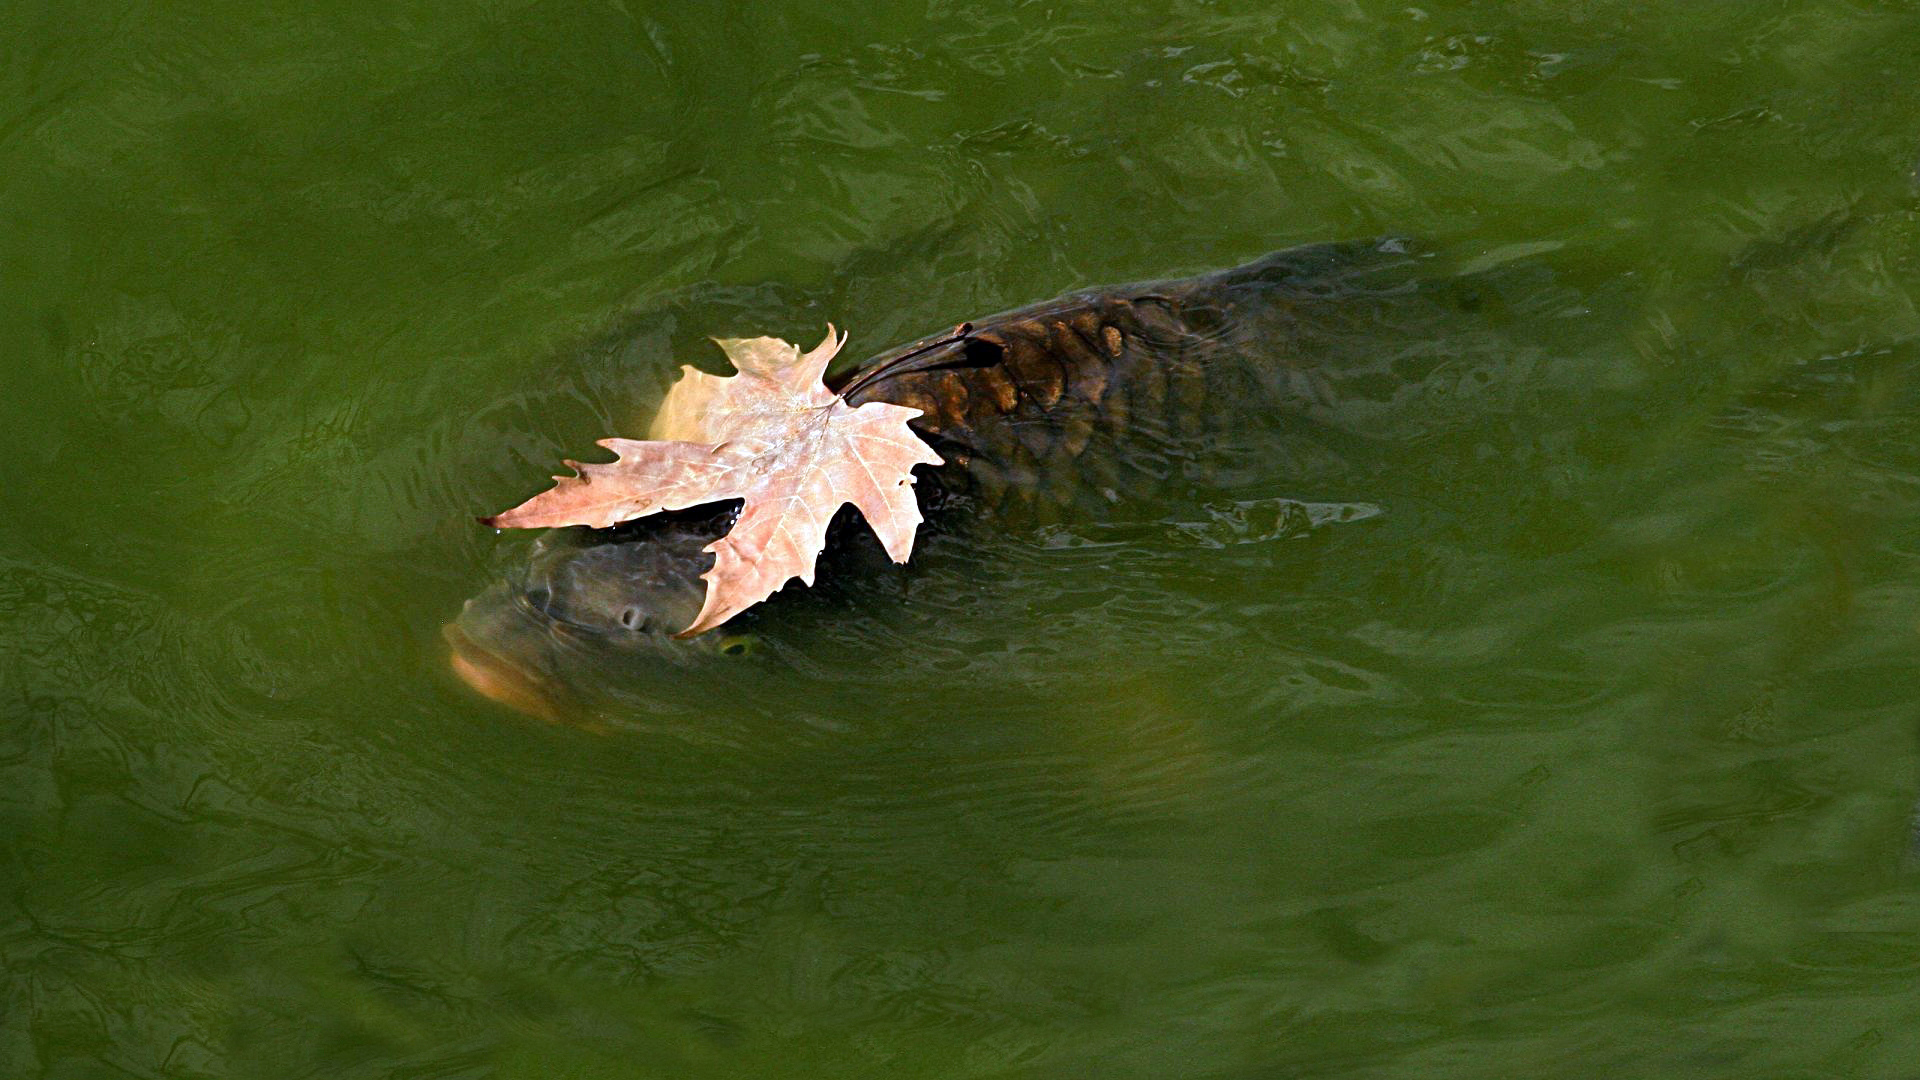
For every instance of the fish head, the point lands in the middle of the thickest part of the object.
(591, 597)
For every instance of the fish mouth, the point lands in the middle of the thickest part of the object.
(496, 678)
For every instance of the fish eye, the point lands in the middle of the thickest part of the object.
(634, 619)
(736, 645)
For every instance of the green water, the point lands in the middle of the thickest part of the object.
(1593, 753)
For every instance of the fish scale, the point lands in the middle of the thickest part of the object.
(1093, 394)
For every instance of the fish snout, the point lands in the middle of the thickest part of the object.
(495, 677)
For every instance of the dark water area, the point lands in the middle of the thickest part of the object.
(1542, 701)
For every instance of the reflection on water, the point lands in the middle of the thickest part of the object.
(1244, 521)
(1538, 700)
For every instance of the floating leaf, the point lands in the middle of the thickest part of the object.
(772, 436)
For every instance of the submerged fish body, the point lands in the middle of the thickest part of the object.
(1054, 411)
(1103, 395)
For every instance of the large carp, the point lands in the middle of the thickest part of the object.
(1099, 399)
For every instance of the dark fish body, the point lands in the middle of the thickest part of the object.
(1100, 395)
(1095, 399)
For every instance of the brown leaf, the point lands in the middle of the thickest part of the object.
(772, 436)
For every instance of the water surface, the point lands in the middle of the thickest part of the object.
(1588, 746)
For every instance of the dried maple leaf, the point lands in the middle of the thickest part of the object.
(772, 436)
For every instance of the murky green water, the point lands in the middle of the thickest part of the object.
(1592, 753)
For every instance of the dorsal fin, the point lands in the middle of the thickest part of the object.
(927, 354)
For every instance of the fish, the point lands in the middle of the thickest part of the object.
(1063, 410)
